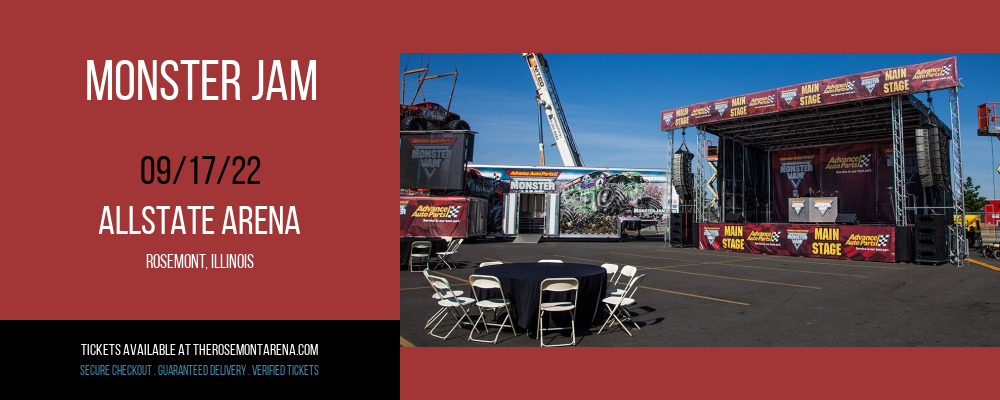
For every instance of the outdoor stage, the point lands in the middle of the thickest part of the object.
(864, 140)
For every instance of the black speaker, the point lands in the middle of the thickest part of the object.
(931, 225)
(682, 229)
(923, 150)
(937, 168)
(847, 219)
(735, 218)
(904, 244)
(931, 239)
(680, 173)
(930, 251)
(928, 149)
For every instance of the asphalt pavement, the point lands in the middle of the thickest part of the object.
(703, 298)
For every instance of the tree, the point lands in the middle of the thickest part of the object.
(973, 201)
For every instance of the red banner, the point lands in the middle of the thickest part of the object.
(847, 242)
(853, 173)
(433, 216)
(934, 75)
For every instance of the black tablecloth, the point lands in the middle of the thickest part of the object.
(437, 245)
(521, 283)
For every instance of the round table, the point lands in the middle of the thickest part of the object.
(521, 283)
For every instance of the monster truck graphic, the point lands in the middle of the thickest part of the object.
(490, 189)
(591, 203)
(424, 116)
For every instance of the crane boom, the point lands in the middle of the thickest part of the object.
(548, 98)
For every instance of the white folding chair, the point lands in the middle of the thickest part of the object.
(453, 304)
(557, 285)
(420, 250)
(445, 256)
(486, 282)
(628, 272)
(618, 305)
(612, 271)
(550, 261)
(437, 296)
(488, 263)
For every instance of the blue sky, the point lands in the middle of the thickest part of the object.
(612, 101)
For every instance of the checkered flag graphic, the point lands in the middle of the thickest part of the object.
(770, 98)
(865, 160)
(850, 85)
(402, 209)
(946, 70)
(775, 236)
(453, 212)
(883, 240)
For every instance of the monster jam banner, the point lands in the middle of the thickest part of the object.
(849, 172)
(590, 199)
(934, 75)
(433, 216)
(432, 161)
(532, 181)
(848, 242)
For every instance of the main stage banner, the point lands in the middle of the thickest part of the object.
(847, 242)
(933, 75)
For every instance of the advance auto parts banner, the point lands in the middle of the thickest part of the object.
(432, 161)
(433, 216)
(848, 242)
(934, 75)
(849, 172)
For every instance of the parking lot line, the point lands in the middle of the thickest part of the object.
(675, 259)
(682, 259)
(662, 290)
(428, 287)
(797, 259)
(694, 295)
(739, 279)
(985, 265)
(665, 269)
(405, 343)
(725, 263)
(604, 262)
(454, 277)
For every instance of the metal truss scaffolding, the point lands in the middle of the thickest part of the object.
(898, 163)
(699, 180)
(668, 204)
(959, 244)
(870, 120)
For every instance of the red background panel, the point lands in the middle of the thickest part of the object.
(64, 158)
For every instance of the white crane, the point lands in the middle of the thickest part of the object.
(549, 99)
